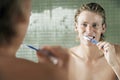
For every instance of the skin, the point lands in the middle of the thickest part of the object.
(61, 56)
(90, 61)
(10, 50)
(21, 69)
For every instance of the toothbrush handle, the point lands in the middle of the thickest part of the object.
(32, 47)
(46, 52)
(52, 57)
(42, 51)
(94, 41)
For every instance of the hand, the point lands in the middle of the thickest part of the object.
(109, 52)
(56, 53)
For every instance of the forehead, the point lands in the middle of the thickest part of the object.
(89, 17)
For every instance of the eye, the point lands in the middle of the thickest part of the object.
(84, 25)
(94, 25)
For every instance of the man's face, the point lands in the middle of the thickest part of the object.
(89, 24)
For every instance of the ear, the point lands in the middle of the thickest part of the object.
(76, 29)
(103, 28)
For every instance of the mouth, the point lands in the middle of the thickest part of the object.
(91, 39)
(88, 37)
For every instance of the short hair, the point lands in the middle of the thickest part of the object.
(9, 9)
(92, 7)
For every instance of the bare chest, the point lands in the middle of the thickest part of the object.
(99, 70)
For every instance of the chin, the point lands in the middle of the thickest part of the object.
(87, 43)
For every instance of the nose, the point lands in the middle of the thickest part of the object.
(89, 29)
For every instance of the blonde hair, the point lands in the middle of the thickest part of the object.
(92, 7)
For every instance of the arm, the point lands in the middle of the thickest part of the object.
(112, 55)
(116, 69)
(59, 53)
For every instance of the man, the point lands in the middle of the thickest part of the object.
(14, 20)
(98, 59)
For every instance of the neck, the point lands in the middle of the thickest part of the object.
(8, 50)
(90, 53)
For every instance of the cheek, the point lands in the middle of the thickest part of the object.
(80, 31)
(99, 31)
(99, 34)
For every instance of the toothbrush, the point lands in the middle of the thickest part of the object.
(91, 39)
(47, 53)
(32, 47)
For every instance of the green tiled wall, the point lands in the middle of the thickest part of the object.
(52, 23)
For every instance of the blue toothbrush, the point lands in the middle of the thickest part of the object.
(47, 53)
(32, 47)
(91, 40)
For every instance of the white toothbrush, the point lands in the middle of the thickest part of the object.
(91, 39)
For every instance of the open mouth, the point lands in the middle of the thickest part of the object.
(88, 37)
(91, 39)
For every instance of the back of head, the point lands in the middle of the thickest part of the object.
(10, 10)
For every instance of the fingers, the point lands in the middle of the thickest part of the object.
(104, 46)
(109, 52)
(43, 57)
(58, 55)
